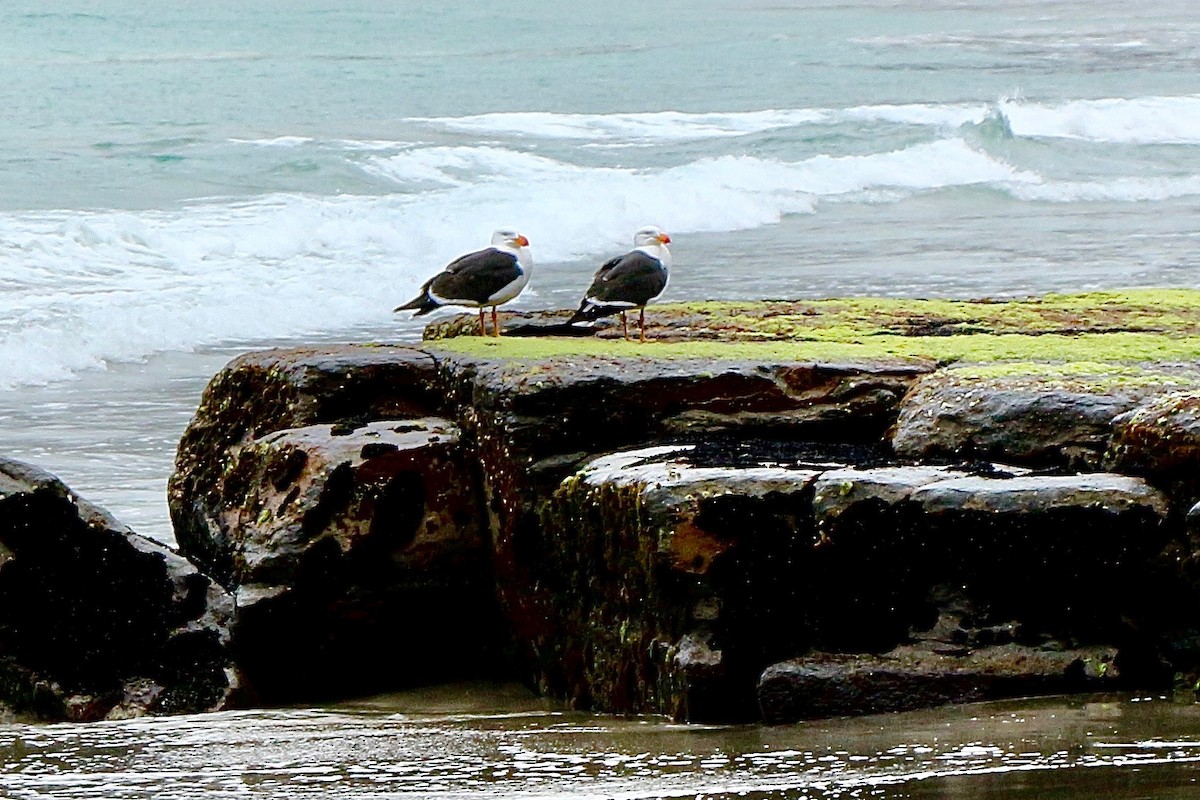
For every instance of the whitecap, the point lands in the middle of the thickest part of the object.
(1141, 120)
(1126, 189)
(655, 126)
(276, 141)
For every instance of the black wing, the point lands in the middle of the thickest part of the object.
(475, 277)
(634, 279)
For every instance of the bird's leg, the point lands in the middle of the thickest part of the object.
(482, 330)
(495, 324)
(642, 322)
(624, 325)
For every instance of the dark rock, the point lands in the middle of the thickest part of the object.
(722, 570)
(526, 323)
(321, 487)
(837, 490)
(909, 677)
(1161, 440)
(1022, 420)
(1100, 494)
(525, 417)
(652, 555)
(892, 537)
(528, 424)
(97, 621)
(271, 390)
(358, 560)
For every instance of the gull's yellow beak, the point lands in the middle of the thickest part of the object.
(521, 241)
(662, 237)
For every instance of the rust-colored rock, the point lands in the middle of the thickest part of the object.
(658, 532)
(533, 423)
(718, 570)
(270, 390)
(656, 554)
(358, 558)
(1161, 440)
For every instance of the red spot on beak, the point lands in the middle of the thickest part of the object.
(522, 241)
(664, 239)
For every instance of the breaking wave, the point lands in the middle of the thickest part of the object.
(1143, 120)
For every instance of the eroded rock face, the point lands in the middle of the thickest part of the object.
(1022, 548)
(532, 424)
(1013, 420)
(345, 494)
(358, 558)
(1161, 440)
(97, 621)
(910, 677)
(682, 561)
(719, 570)
(526, 425)
(271, 390)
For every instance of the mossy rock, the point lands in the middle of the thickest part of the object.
(1129, 327)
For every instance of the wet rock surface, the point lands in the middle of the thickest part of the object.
(533, 424)
(1161, 440)
(910, 677)
(656, 533)
(1018, 420)
(685, 562)
(737, 565)
(98, 622)
(271, 390)
(358, 558)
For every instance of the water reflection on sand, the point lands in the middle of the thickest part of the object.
(489, 741)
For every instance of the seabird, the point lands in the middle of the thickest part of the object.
(629, 281)
(488, 277)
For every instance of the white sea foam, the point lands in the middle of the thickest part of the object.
(666, 126)
(659, 126)
(1117, 190)
(276, 141)
(928, 114)
(454, 166)
(1142, 120)
(943, 162)
(81, 289)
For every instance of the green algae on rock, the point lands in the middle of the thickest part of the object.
(1133, 327)
(1169, 312)
(975, 348)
